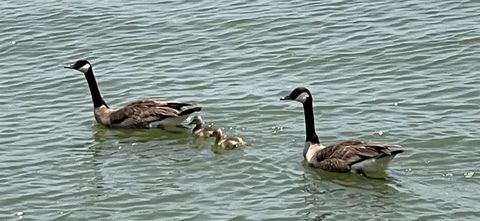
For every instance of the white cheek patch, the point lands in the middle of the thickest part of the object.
(84, 68)
(302, 97)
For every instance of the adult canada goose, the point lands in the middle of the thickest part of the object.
(227, 143)
(200, 129)
(351, 155)
(138, 114)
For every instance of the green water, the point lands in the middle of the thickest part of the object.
(406, 68)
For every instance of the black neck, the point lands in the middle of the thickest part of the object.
(311, 136)
(92, 84)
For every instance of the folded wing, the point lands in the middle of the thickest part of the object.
(342, 156)
(141, 114)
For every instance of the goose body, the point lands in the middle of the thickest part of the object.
(348, 156)
(228, 142)
(200, 129)
(138, 114)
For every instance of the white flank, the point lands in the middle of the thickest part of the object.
(169, 121)
(373, 165)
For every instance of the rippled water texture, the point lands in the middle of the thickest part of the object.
(402, 72)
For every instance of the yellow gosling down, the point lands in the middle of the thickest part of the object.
(201, 129)
(226, 142)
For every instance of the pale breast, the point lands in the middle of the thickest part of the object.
(312, 151)
(102, 115)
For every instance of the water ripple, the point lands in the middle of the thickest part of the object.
(405, 69)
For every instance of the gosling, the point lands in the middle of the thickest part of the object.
(227, 142)
(200, 129)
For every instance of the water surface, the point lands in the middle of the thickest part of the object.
(408, 69)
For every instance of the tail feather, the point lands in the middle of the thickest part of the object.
(395, 152)
(391, 153)
(177, 105)
(189, 111)
(381, 155)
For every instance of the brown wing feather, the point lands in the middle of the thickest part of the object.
(142, 113)
(333, 165)
(352, 151)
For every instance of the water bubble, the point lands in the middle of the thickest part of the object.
(380, 133)
(277, 129)
(469, 174)
(447, 174)
(120, 147)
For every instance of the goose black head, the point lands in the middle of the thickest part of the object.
(80, 65)
(300, 94)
